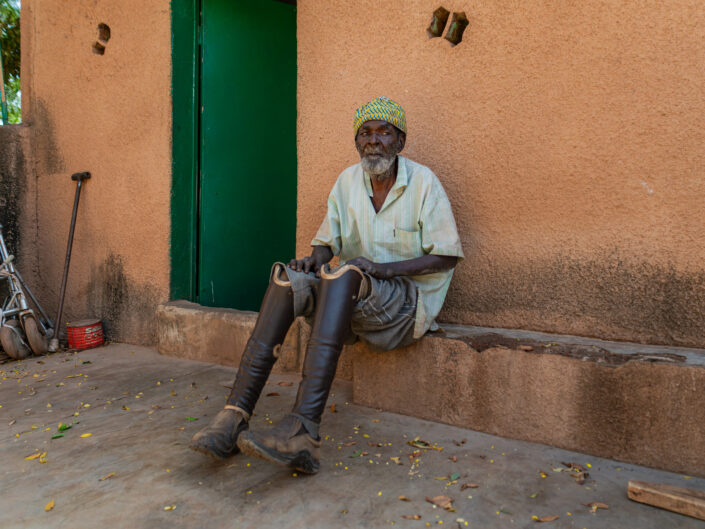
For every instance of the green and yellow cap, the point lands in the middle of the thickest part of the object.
(383, 109)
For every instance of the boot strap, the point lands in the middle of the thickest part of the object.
(362, 292)
(311, 427)
(238, 409)
(279, 275)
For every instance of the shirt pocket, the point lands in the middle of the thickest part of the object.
(407, 243)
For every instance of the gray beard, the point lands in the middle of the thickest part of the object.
(376, 166)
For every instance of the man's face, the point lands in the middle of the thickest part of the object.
(378, 143)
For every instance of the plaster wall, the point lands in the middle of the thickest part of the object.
(108, 114)
(12, 185)
(568, 137)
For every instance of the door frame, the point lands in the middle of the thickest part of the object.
(185, 73)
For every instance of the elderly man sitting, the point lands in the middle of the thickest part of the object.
(391, 224)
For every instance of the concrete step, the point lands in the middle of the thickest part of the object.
(194, 332)
(635, 403)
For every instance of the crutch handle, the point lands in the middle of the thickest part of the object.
(85, 175)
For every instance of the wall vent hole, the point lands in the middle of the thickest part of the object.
(457, 26)
(103, 32)
(438, 22)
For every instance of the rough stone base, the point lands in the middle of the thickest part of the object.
(638, 404)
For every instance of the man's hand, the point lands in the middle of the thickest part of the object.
(378, 270)
(320, 256)
(305, 265)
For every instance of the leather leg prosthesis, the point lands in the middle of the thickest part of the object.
(295, 442)
(276, 315)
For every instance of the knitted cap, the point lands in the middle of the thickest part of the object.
(383, 109)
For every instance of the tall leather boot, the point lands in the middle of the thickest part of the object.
(219, 439)
(295, 442)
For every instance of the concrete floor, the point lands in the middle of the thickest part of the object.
(136, 404)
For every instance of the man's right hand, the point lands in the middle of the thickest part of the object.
(306, 265)
(320, 256)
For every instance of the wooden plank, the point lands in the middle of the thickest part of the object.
(683, 501)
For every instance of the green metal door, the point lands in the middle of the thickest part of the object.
(247, 205)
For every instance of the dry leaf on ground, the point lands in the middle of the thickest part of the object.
(411, 516)
(443, 502)
(578, 472)
(332, 408)
(415, 454)
(272, 394)
(547, 518)
(597, 505)
(404, 498)
(420, 443)
(283, 383)
(573, 466)
(469, 486)
(107, 476)
(579, 477)
(396, 460)
(49, 506)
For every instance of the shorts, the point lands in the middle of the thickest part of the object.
(384, 319)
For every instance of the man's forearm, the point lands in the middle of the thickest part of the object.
(426, 264)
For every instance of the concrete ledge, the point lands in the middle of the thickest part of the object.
(644, 408)
(194, 332)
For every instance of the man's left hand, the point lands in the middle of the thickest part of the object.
(377, 270)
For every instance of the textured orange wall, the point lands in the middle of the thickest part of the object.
(568, 135)
(110, 115)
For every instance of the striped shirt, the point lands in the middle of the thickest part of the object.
(415, 220)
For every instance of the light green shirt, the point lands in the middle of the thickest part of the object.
(415, 220)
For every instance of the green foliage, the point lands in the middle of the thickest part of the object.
(10, 43)
(13, 95)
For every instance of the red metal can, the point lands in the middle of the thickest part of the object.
(85, 334)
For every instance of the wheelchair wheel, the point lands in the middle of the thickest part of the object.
(12, 342)
(37, 341)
